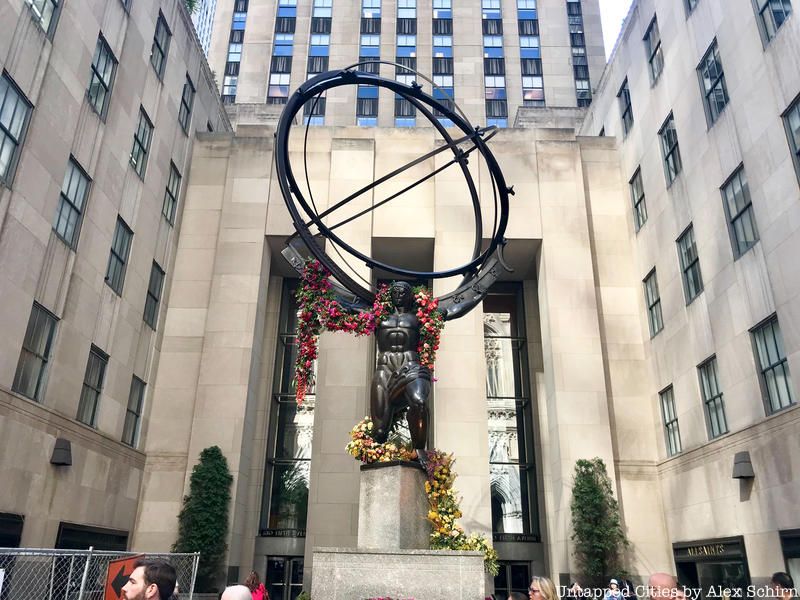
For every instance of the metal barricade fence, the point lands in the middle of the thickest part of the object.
(44, 574)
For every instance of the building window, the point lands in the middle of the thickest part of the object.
(11, 530)
(158, 53)
(512, 577)
(739, 212)
(171, 194)
(771, 15)
(285, 577)
(45, 12)
(104, 68)
(141, 143)
(187, 102)
(776, 381)
(652, 45)
(653, 302)
(71, 201)
(670, 150)
(512, 470)
(672, 434)
(118, 259)
(133, 414)
(792, 121)
(31, 375)
(14, 113)
(92, 386)
(624, 96)
(690, 265)
(790, 544)
(712, 80)
(153, 299)
(712, 398)
(637, 198)
(285, 498)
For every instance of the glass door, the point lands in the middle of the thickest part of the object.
(284, 577)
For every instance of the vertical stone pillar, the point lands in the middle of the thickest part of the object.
(343, 371)
(207, 390)
(575, 407)
(460, 418)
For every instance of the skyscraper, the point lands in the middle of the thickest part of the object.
(203, 19)
(491, 56)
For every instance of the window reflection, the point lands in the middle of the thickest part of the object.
(285, 504)
(511, 466)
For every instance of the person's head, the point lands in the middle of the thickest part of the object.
(401, 293)
(783, 584)
(252, 581)
(542, 588)
(613, 584)
(152, 579)
(237, 592)
(663, 586)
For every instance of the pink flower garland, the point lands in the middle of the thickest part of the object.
(431, 323)
(319, 310)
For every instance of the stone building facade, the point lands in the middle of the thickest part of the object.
(97, 129)
(707, 120)
(651, 318)
(491, 56)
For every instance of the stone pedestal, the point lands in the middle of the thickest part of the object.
(392, 507)
(361, 574)
(392, 558)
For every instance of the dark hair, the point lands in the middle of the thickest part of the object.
(160, 573)
(252, 581)
(783, 580)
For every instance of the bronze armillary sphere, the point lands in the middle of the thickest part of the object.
(484, 266)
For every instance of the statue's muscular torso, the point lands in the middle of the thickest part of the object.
(398, 337)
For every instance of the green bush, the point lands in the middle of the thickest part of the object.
(597, 530)
(203, 521)
(191, 5)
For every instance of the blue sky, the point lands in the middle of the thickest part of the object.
(612, 13)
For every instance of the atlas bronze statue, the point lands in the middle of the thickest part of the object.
(401, 383)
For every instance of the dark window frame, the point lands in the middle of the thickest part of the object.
(187, 104)
(626, 107)
(793, 111)
(65, 202)
(709, 85)
(769, 28)
(654, 52)
(638, 200)
(713, 398)
(123, 234)
(94, 75)
(133, 412)
(782, 363)
(172, 192)
(689, 261)
(159, 51)
(669, 419)
(7, 178)
(43, 357)
(38, 15)
(92, 390)
(141, 146)
(739, 248)
(155, 290)
(652, 299)
(670, 151)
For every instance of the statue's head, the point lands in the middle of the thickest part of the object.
(401, 294)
